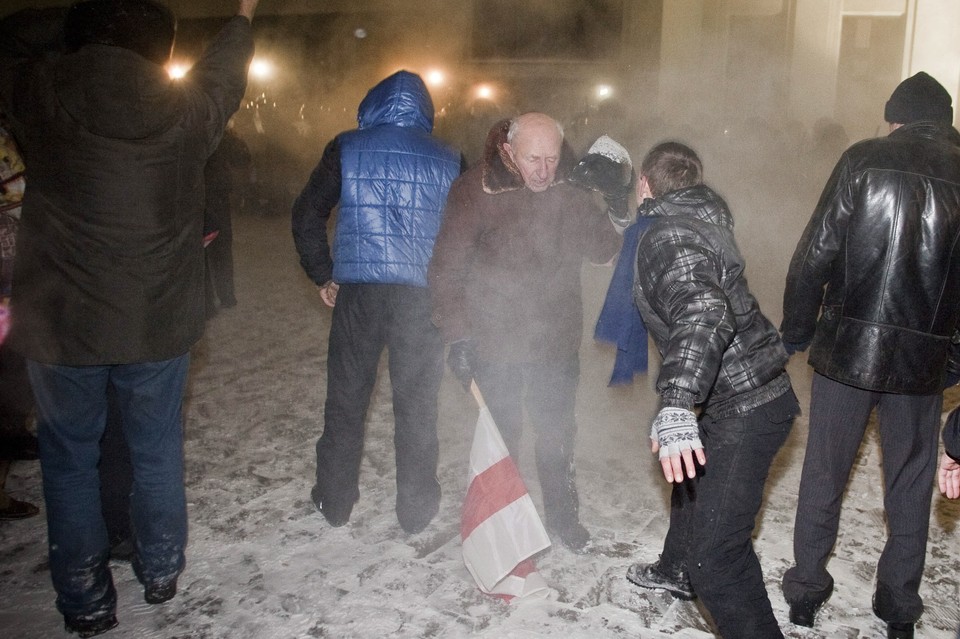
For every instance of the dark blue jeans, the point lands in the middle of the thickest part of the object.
(713, 516)
(72, 414)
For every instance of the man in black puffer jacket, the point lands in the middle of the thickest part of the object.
(874, 290)
(108, 277)
(721, 354)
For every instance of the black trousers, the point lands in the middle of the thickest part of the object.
(909, 429)
(367, 318)
(548, 391)
(713, 516)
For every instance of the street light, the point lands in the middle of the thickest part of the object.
(177, 70)
(484, 91)
(261, 69)
(435, 78)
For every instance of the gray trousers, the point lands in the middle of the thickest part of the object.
(909, 427)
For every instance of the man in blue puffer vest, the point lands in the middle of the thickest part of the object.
(390, 177)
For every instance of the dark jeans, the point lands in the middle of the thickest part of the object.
(548, 391)
(909, 426)
(116, 474)
(713, 516)
(367, 318)
(72, 414)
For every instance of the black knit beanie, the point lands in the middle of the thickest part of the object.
(919, 98)
(144, 26)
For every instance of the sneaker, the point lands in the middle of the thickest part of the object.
(653, 576)
(85, 627)
(159, 593)
(574, 536)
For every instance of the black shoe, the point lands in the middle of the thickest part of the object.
(89, 627)
(17, 509)
(160, 592)
(574, 536)
(335, 515)
(414, 521)
(897, 630)
(652, 576)
(804, 612)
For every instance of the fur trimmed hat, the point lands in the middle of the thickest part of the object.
(919, 97)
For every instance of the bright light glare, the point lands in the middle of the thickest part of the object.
(435, 77)
(484, 91)
(604, 91)
(177, 70)
(261, 69)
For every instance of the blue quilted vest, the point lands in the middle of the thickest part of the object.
(395, 178)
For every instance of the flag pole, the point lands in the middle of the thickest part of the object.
(477, 395)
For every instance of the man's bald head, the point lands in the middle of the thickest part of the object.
(533, 143)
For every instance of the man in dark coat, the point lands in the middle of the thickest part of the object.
(505, 279)
(390, 178)
(108, 278)
(874, 291)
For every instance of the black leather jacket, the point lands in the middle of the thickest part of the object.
(875, 279)
(719, 351)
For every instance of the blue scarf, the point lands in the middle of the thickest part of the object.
(620, 322)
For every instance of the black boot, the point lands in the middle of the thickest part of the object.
(87, 627)
(803, 611)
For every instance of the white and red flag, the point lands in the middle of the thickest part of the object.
(499, 526)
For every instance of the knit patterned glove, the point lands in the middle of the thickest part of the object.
(676, 430)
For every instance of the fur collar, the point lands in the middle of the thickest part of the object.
(500, 173)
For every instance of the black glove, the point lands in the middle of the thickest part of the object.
(601, 173)
(462, 360)
(607, 168)
(792, 347)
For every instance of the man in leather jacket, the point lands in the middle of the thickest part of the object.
(873, 291)
(721, 355)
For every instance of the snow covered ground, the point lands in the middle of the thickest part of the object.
(263, 564)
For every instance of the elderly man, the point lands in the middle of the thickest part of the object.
(505, 280)
(872, 289)
(108, 277)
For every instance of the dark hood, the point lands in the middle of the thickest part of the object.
(97, 84)
(399, 100)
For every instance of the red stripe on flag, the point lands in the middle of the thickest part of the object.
(498, 486)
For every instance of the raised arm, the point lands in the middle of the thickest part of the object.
(246, 8)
